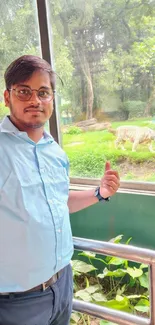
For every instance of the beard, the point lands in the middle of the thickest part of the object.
(23, 124)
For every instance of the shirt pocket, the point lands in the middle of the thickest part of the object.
(59, 181)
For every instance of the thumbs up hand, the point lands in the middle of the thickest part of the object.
(110, 182)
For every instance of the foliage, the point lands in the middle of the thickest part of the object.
(73, 130)
(3, 110)
(111, 47)
(18, 31)
(134, 108)
(119, 286)
(102, 49)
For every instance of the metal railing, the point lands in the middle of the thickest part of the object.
(131, 253)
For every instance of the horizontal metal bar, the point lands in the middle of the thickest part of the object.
(108, 314)
(136, 186)
(141, 255)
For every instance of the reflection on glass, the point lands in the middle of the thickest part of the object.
(105, 53)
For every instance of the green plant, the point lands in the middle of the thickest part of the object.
(134, 108)
(73, 130)
(120, 285)
(3, 110)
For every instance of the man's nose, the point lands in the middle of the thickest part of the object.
(34, 98)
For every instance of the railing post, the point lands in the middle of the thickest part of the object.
(152, 292)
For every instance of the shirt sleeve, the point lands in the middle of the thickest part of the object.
(67, 166)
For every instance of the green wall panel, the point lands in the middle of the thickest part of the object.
(132, 215)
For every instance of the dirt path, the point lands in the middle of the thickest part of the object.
(139, 172)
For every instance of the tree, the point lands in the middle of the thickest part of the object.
(101, 37)
(18, 31)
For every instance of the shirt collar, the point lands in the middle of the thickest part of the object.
(7, 126)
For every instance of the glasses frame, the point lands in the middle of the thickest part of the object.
(32, 90)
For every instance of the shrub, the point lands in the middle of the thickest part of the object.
(73, 130)
(153, 108)
(134, 108)
(3, 111)
(86, 162)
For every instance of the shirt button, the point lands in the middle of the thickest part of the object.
(59, 258)
(59, 230)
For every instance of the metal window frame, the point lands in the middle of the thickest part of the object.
(46, 48)
(131, 187)
(131, 253)
(45, 28)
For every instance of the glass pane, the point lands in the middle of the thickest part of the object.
(104, 51)
(19, 35)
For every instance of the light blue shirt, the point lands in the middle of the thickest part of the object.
(35, 233)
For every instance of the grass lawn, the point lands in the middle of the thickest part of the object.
(88, 152)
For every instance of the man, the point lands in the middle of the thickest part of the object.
(35, 234)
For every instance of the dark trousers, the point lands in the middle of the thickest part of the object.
(50, 307)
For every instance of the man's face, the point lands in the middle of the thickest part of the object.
(34, 112)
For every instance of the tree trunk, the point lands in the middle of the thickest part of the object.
(89, 86)
(90, 96)
(83, 95)
(147, 111)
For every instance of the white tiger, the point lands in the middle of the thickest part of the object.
(135, 134)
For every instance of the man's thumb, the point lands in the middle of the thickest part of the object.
(107, 166)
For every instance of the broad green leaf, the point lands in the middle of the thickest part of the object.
(101, 276)
(91, 255)
(116, 239)
(121, 290)
(143, 266)
(144, 280)
(99, 297)
(87, 254)
(76, 273)
(134, 272)
(83, 294)
(142, 309)
(75, 317)
(143, 306)
(143, 302)
(135, 296)
(93, 289)
(117, 273)
(123, 305)
(119, 298)
(132, 282)
(82, 267)
(116, 261)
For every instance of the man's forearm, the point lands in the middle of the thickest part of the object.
(79, 200)
(109, 184)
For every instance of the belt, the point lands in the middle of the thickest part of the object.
(41, 287)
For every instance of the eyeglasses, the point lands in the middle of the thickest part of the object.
(24, 93)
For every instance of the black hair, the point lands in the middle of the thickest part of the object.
(22, 69)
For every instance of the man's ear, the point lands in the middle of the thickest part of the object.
(7, 98)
